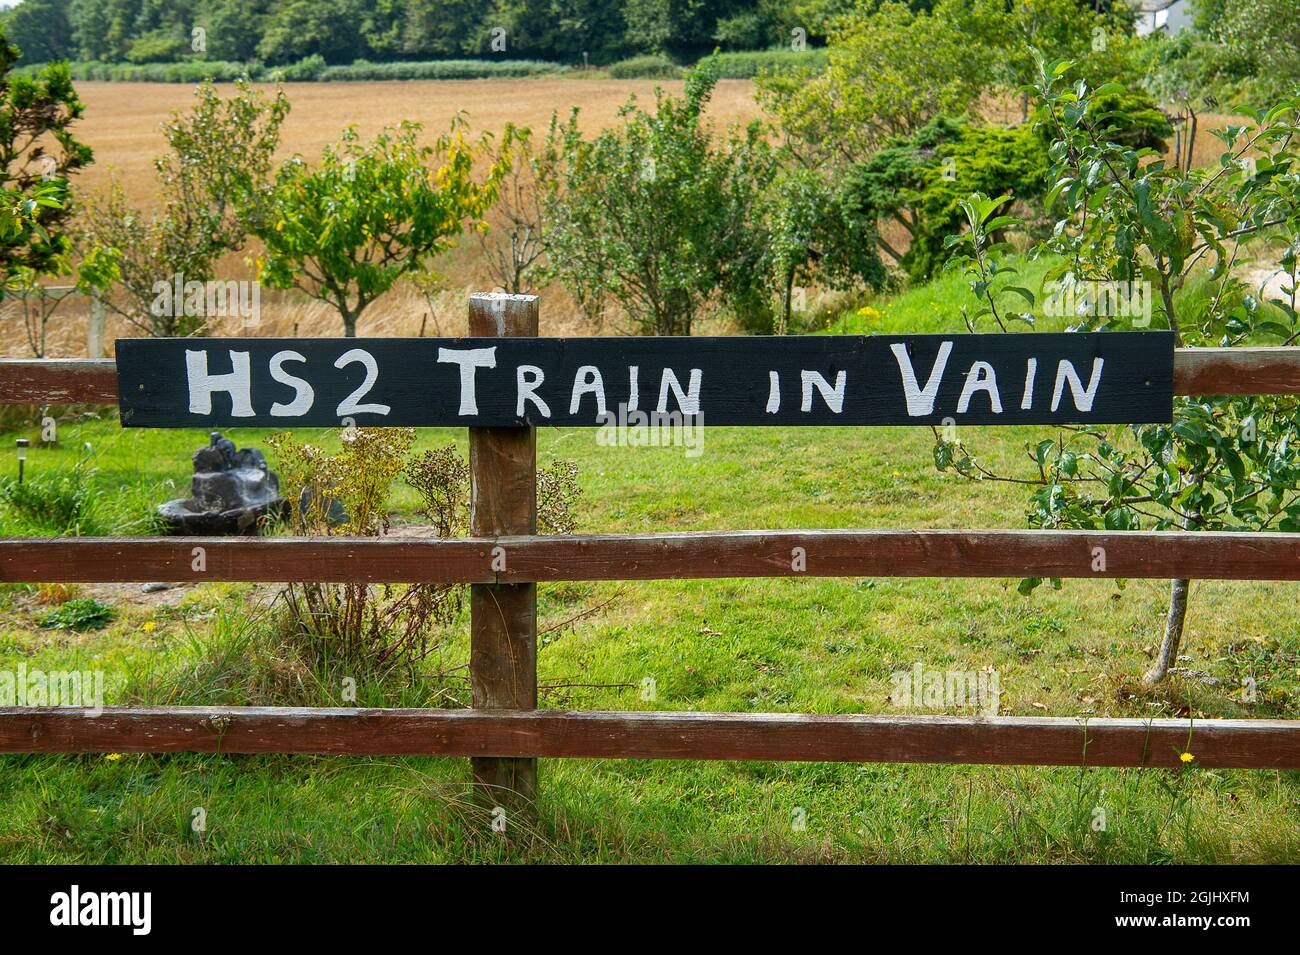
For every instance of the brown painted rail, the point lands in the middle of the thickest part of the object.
(820, 553)
(1042, 741)
(58, 381)
(1197, 371)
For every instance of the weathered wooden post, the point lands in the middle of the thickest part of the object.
(503, 617)
(95, 328)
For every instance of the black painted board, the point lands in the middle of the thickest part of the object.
(1047, 378)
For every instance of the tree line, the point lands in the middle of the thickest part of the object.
(278, 32)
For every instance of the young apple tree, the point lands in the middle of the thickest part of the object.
(1129, 218)
(369, 214)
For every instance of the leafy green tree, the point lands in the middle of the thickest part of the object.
(653, 213)
(1257, 39)
(564, 29)
(38, 153)
(889, 73)
(234, 28)
(1127, 216)
(676, 26)
(894, 67)
(370, 214)
(41, 30)
(159, 46)
(215, 188)
(757, 26)
(438, 28)
(817, 232)
(298, 28)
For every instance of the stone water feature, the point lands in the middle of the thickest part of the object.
(230, 491)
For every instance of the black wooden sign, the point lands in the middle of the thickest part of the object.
(1045, 378)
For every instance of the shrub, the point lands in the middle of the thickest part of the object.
(379, 628)
(307, 69)
(214, 186)
(1128, 117)
(653, 66)
(920, 180)
(441, 70)
(656, 214)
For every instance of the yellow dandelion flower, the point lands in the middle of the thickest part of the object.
(1186, 757)
(149, 626)
(113, 757)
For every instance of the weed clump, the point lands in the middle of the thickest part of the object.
(81, 614)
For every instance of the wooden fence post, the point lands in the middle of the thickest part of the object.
(503, 617)
(95, 328)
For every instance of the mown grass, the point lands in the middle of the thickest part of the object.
(787, 645)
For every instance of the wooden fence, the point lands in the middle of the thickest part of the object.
(505, 733)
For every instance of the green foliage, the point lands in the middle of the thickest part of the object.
(158, 46)
(185, 71)
(282, 32)
(755, 26)
(379, 627)
(37, 155)
(215, 187)
(368, 214)
(986, 262)
(441, 70)
(892, 68)
(650, 66)
(308, 69)
(817, 231)
(293, 29)
(1129, 117)
(79, 614)
(66, 502)
(1240, 53)
(888, 73)
(752, 63)
(1226, 463)
(41, 30)
(920, 180)
(656, 214)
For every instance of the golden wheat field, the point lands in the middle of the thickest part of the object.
(122, 124)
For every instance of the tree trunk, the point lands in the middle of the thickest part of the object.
(1174, 620)
(785, 306)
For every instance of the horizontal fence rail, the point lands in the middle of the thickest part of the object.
(817, 553)
(592, 734)
(1197, 371)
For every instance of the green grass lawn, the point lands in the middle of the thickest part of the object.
(788, 645)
